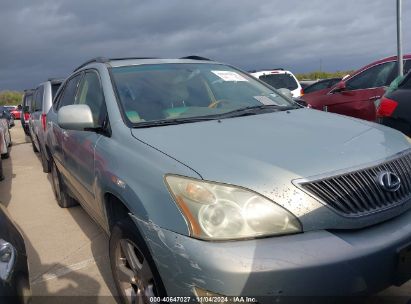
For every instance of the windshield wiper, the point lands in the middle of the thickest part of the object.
(168, 122)
(252, 110)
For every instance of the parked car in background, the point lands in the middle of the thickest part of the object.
(394, 109)
(26, 110)
(322, 84)
(355, 95)
(15, 111)
(42, 101)
(8, 116)
(14, 272)
(196, 171)
(306, 83)
(279, 79)
(5, 137)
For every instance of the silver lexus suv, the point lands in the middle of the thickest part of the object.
(211, 183)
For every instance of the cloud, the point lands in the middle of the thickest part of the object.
(47, 38)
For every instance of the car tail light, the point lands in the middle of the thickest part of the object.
(387, 107)
(302, 92)
(26, 116)
(43, 121)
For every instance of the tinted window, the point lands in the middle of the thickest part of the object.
(376, 76)
(38, 99)
(316, 87)
(27, 102)
(54, 88)
(280, 81)
(69, 92)
(406, 83)
(91, 94)
(407, 66)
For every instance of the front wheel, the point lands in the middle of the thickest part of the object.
(134, 272)
(63, 199)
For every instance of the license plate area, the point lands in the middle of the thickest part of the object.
(403, 265)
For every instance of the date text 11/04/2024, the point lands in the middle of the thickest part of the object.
(203, 299)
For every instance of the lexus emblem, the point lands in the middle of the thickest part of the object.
(389, 181)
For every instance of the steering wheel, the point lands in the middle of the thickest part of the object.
(216, 103)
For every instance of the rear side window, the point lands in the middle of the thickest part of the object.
(406, 83)
(279, 81)
(316, 87)
(91, 94)
(54, 88)
(38, 99)
(69, 93)
(27, 102)
(407, 66)
(374, 77)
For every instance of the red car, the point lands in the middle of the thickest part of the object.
(355, 95)
(15, 111)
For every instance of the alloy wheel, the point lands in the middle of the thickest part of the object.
(133, 273)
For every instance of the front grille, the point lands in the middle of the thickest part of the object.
(358, 192)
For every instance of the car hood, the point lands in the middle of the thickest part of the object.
(267, 152)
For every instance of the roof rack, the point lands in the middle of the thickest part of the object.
(195, 57)
(97, 59)
(104, 60)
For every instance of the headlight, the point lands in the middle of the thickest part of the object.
(7, 260)
(217, 211)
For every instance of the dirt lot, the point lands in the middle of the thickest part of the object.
(67, 251)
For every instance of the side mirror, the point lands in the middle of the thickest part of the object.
(285, 92)
(75, 117)
(340, 87)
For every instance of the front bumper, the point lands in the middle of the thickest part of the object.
(317, 263)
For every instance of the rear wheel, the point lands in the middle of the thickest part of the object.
(63, 199)
(134, 272)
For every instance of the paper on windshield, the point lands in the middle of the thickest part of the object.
(265, 100)
(229, 76)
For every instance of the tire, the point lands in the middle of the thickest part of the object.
(141, 278)
(63, 199)
(6, 155)
(45, 163)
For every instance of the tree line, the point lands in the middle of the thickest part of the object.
(322, 75)
(10, 97)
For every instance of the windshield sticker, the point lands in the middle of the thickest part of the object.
(264, 100)
(229, 76)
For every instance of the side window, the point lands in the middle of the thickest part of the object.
(69, 93)
(91, 94)
(38, 100)
(407, 66)
(376, 76)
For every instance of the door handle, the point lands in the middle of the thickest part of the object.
(65, 134)
(374, 97)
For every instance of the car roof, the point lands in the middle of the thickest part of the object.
(118, 62)
(386, 59)
(273, 72)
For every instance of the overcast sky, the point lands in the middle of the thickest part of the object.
(49, 38)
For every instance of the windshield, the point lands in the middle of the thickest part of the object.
(158, 92)
(280, 81)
